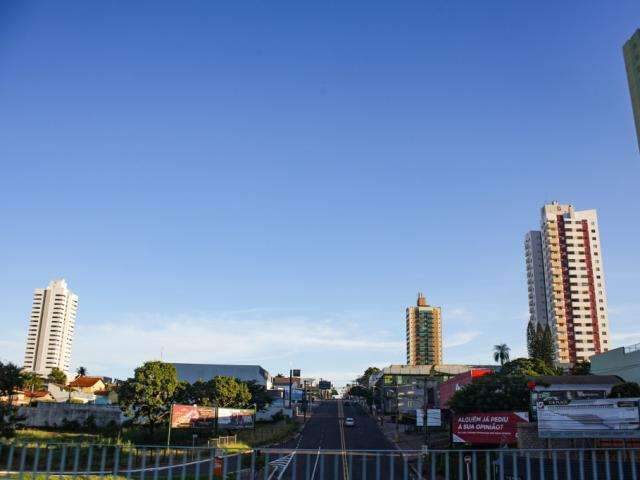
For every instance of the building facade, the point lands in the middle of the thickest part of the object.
(623, 362)
(424, 333)
(573, 278)
(51, 329)
(631, 52)
(535, 278)
(192, 372)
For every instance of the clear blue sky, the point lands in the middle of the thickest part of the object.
(273, 181)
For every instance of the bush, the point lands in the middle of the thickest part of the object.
(625, 390)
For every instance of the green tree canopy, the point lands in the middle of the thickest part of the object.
(32, 381)
(492, 393)
(530, 367)
(57, 376)
(221, 391)
(81, 371)
(581, 368)
(625, 390)
(506, 390)
(11, 379)
(259, 395)
(147, 396)
(540, 343)
(364, 379)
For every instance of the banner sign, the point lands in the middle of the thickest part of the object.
(235, 418)
(434, 417)
(602, 418)
(496, 428)
(193, 416)
(419, 417)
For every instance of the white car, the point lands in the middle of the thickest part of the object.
(349, 422)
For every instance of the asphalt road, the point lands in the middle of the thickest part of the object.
(329, 450)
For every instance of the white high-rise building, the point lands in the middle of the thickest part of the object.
(51, 328)
(565, 273)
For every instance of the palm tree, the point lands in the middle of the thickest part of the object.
(81, 371)
(501, 353)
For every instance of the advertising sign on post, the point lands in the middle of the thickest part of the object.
(602, 418)
(192, 416)
(419, 417)
(235, 418)
(496, 428)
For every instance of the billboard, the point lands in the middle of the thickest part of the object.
(324, 385)
(496, 428)
(602, 418)
(235, 418)
(194, 416)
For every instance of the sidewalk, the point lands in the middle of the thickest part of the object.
(412, 440)
(405, 440)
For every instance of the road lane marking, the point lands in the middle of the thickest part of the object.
(343, 442)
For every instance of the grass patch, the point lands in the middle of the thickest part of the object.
(48, 436)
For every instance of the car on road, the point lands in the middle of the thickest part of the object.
(349, 422)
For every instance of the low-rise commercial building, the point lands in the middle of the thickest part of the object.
(404, 388)
(623, 362)
(192, 372)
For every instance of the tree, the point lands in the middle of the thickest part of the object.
(360, 391)
(528, 367)
(501, 353)
(11, 380)
(492, 393)
(625, 390)
(57, 376)
(364, 379)
(540, 344)
(547, 347)
(229, 392)
(148, 395)
(81, 371)
(221, 391)
(581, 368)
(532, 338)
(259, 396)
(32, 381)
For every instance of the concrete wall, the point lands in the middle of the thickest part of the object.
(54, 414)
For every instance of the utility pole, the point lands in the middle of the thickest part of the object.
(426, 416)
(290, 385)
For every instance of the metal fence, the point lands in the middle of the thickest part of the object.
(85, 461)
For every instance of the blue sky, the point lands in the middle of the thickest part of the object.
(272, 182)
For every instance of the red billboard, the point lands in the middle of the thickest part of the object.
(494, 428)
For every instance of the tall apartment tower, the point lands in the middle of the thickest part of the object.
(51, 328)
(424, 334)
(631, 52)
(535, 278)
(565, 273)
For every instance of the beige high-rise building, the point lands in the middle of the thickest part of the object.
(424, 334)
(572, 273)
(51, 329)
